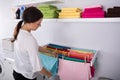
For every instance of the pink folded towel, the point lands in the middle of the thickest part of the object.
(93, 9)
(95, 6)
(100, 14)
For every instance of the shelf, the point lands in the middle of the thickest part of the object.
(90, 20)
(81, 20)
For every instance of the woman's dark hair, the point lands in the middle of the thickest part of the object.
(31, 14)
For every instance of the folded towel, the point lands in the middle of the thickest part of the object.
(118, 7)
(90, 10)
(113, 10)
(96, 8)
(49, 11)
(93, 15)
(45, 9)
(71, 9)
(50, 16)
(69, 14)
(112, 15)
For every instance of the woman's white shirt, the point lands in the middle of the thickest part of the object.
(26, 51)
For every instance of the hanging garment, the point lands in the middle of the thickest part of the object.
(50, 63)
(70, 70)
(73, 59)
(83, 56)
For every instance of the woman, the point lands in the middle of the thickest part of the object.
(27, 63)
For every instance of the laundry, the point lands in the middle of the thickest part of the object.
(49, 11)
(71, 70)
(93, 15)
(69, 16)
(81, 51)
(93, 12)
(96, 8)
(113, 12)
(50, 63)
(73, 59)
(86, 57)
(46, 6)
(71, 9)
(70, 13)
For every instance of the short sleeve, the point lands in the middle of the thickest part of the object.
(32, 50)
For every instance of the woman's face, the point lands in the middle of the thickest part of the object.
(36, 24)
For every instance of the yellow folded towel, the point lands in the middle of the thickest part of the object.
(69, 14)
(71, 9)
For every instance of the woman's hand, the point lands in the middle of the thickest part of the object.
(46, 72)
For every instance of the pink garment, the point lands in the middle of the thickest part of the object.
(70, 70)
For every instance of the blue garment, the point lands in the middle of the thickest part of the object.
(50, 63)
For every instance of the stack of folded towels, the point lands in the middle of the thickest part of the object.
(93, 12)
(70, 13)
(113, 12)
(49, 11)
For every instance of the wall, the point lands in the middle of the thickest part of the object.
(101, 36)
(6, 23)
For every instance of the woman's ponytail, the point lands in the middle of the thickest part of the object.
(17, 29)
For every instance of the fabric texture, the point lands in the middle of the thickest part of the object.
(70, 70)
(50, 63)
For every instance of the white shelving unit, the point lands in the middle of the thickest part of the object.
(90, 20)
(81, 20)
